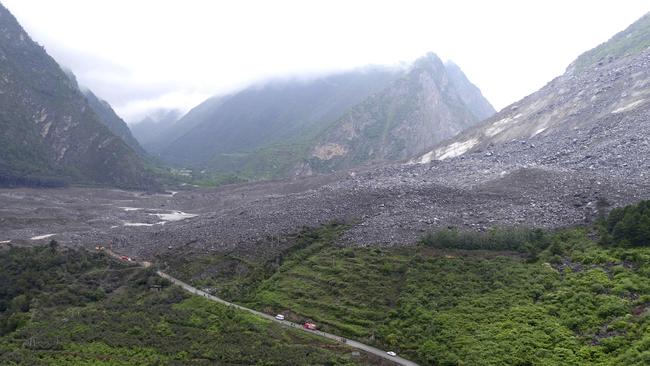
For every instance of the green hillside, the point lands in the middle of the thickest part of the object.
(504, 297)
(69, 307)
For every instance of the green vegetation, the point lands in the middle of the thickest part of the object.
(633, 40)
(512, 296)
(513, 239)
(478, 310)
(236, 277)
(68, 307)
(268, 162)
(348, 291)
(628, 226)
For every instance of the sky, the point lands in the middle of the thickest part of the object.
(149, 54)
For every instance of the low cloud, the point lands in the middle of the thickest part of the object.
(146, 53)
(136, 109)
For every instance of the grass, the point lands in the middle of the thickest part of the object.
(633, 40)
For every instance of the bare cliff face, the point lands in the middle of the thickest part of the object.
(432, 102)
(48, 130)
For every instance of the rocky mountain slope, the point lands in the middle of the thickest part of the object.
(304, 126)
(107, 115)
(47, 129)
(231, 127)
(431, 103)
(561, 156)
(596, 115)
(110, 119)
(591, 156)
(469, 93)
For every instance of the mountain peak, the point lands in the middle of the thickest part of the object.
(427, 105)
(468, 92)
(430, 61)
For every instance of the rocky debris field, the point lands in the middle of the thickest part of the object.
(387, 205)
(604, 100)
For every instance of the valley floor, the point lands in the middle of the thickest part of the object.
(560, 300)
(386, 206)
(268, 246)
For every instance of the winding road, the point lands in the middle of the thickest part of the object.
(193, 290)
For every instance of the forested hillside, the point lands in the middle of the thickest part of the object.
(71, 307)
(506, 296)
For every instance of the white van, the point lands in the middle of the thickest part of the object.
(279, 317)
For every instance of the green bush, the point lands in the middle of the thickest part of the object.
(524, 240)
(579, 304)
(628, 226)
(74, 307)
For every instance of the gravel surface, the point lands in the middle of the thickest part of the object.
(387, 206)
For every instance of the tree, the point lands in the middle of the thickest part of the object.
(629, 226)
(54, 245)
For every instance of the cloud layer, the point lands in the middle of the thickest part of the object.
(144, 55)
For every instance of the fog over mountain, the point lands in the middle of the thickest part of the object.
(430, 103)
(202, 54)
(306, 126)
(151, 129)
(224, 132)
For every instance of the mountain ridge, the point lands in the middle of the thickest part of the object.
(49, 132)
(110, 119)
(153, 126)
(280, 128)
(432, 102)
(260, 116)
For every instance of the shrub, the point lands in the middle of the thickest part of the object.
(628, 226)
(530, 241)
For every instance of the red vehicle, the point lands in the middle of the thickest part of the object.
(310, 326)
(125, 258)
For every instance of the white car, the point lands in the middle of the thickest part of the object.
(391, 353)
(279, 317)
